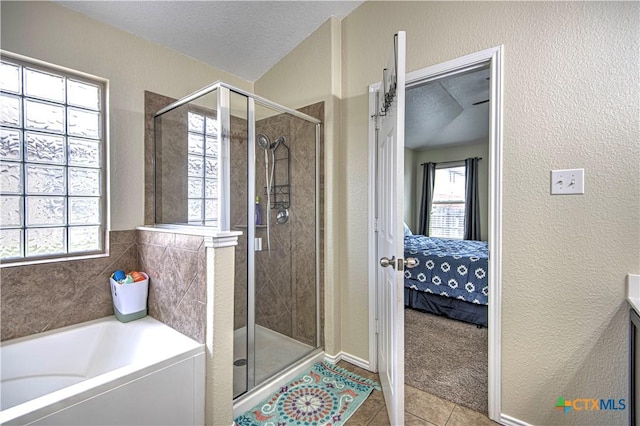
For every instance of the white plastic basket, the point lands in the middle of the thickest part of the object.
(130, 300)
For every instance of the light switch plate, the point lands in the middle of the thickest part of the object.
(570, 181)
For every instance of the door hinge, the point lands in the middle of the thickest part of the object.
(376, 116)
(377, 327)
(375, 225)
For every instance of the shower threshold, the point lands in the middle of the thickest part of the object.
(275, 352)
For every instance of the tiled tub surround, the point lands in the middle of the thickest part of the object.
(176, 264)
(37, 298)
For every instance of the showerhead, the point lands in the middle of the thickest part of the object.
(263, 141)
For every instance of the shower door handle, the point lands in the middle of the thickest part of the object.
(385, 261)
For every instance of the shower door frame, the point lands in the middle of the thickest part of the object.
(223, 118)
(252, 100)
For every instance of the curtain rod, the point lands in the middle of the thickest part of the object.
(450, 162)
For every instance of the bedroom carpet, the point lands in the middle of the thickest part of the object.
(447, 358)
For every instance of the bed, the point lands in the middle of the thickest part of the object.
(450, 278)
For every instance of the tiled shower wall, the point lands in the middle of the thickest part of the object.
(285, 279)
(37, 298)
(285, 276)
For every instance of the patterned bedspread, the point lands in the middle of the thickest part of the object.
(450, 268)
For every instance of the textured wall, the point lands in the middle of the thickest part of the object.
(411, 185)
(219, 336)
(570, 100)
(37, 298)
(49, 32)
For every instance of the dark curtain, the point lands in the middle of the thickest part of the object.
(472, 210)
(428, 178)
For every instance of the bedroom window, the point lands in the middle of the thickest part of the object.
(448, 205)
(202, 170)
(52, 170)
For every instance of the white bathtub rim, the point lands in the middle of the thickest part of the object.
(55, 401)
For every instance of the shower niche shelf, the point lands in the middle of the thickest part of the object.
(280, 189)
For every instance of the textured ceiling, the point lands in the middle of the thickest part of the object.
(245, 38)
(441, 112)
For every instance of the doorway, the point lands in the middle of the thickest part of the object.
(491, 60)
(445, 295)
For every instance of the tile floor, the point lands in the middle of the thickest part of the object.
(421, 408)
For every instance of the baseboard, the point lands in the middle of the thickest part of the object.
(333, 359)
(351, 359)
(511, 421)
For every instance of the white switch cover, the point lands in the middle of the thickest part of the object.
(569, 181)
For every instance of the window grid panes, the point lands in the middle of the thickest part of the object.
(202, 169)
(51, 163)
(448, 205)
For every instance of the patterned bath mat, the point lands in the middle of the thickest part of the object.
(326, 395)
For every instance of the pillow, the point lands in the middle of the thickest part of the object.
(407, 231)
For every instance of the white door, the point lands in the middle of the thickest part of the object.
(390, 237)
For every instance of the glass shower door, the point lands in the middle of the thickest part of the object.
(285, 259)
(240, 126)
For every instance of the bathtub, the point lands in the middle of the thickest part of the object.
(103, 372)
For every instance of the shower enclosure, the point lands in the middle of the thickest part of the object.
(230, 160)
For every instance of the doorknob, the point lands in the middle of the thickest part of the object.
(410, 262)
(385, 261)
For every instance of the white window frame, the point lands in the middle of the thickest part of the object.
(434, 203)
(103, 222)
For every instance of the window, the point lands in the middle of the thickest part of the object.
(52, 175)
(447, 209)
(202, 170)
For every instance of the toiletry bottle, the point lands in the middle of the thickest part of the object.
(257, 212)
